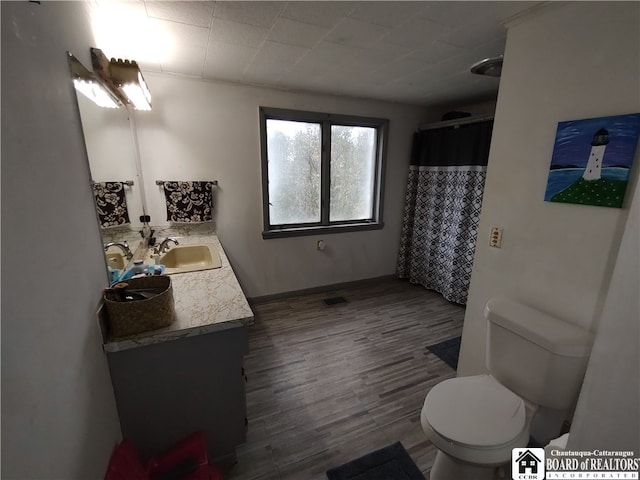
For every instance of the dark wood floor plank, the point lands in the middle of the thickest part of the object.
(330, 383)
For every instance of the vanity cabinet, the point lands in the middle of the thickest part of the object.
(187, 376)
(168, 390)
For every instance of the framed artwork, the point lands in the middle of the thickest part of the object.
(592, 159)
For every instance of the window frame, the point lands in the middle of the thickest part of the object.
(326, 120)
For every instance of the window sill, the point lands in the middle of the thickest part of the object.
(321, 230)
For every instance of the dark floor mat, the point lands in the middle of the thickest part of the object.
(448, 351)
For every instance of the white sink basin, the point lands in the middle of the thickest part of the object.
(190, 258)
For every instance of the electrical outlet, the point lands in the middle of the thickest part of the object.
(495, 240)
(320, 245)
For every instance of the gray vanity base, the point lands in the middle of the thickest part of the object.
(168, 390)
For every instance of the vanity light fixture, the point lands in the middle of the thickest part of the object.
(124, 78)
(87, 84)
(130, 81)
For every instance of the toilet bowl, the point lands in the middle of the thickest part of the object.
(475, 422)
(476, 419)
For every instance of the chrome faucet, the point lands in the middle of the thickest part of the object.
(163, 246)
(124, 246)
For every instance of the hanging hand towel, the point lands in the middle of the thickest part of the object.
(111, 203)
(188, 202)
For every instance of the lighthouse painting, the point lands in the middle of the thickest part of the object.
(592, 159)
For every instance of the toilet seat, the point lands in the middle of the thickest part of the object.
(475, 419)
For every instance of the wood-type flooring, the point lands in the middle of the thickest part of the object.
(330, 383)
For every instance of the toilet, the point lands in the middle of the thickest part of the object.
(534, 360)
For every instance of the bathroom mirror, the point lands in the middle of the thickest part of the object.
(112, 155)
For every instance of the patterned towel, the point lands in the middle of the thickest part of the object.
(111, 203)
(188, 202)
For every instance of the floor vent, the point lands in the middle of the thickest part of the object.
(334, 300)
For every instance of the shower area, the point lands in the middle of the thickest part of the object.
(443, 200)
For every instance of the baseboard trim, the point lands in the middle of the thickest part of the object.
(366, 282)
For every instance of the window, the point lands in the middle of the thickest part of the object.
(321, 173)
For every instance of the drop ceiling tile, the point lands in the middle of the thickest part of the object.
(322, 14)
(183, 35)
(150, 65)
(504, 10)
(456, 14)
(485, 88)
(435, 52)
(353, 82)
(390, 14)
(361, 64)
(401, 97)
(463, 78)
(192, 13)
(218, 51)
(474, 34)
(293, 32)
(355, 33)
(300, 81)
(382, 77)
(227, 62)
(384, 52)
(456, 65)
(419, 80)
(416, 32)
(264, 73)
(403, 66)
(490, 49)
(329, 54)
(307, 69)
(339, 86)
(186, 62)
(260, 14)
(234, 33)
(273, 52)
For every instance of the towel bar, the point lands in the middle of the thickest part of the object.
(126, 182)
(162, 182)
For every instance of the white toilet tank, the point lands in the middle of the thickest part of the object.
(538, 357)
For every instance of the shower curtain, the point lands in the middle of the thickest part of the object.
(442, 207)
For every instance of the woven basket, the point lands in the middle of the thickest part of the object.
(129, 318)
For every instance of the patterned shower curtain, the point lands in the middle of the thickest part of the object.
(443, 202)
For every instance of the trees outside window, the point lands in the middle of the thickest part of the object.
(321, 173)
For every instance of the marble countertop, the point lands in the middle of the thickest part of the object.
(205, 302)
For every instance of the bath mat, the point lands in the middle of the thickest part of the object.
(448, 351)
(392, 462)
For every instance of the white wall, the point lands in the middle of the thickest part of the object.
(572, 61)
(201, 130)
(608, 413)
(58, 412)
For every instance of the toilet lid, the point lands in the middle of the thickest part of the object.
(476, 411)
